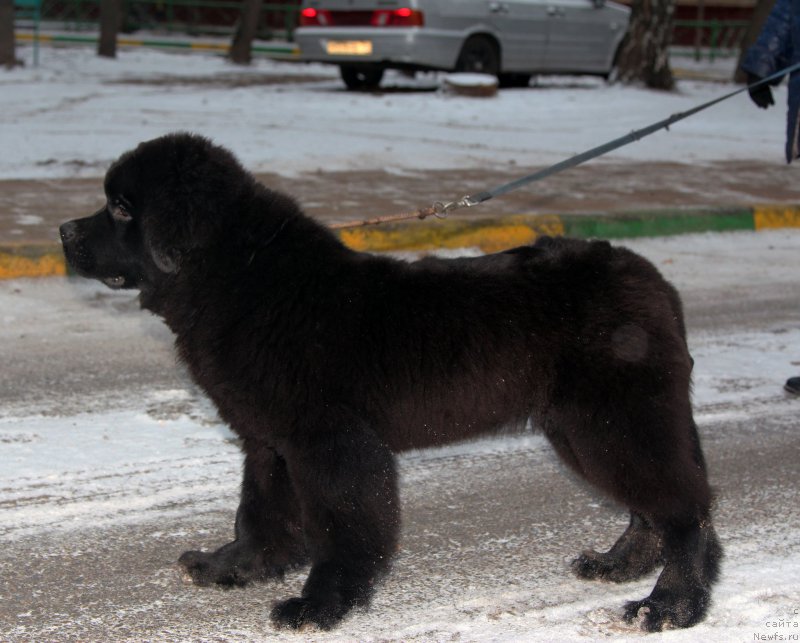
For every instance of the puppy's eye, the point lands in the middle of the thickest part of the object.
(120, 209)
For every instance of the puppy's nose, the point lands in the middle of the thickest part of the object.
(68, 231)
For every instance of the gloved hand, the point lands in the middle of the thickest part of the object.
(761, 95)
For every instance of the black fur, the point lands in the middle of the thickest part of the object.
(327, 362)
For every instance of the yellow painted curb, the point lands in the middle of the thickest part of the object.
(776, 216)
(489, 236)
(128, 42)
(210, 46)
(28, 37)
(15, 266)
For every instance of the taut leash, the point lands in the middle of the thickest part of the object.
(441, 210)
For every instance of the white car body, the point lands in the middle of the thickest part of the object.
(527, 36)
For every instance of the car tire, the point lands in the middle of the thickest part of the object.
(359, 77)
(514, 80)
(479, 54)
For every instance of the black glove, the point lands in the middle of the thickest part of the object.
(761, 95)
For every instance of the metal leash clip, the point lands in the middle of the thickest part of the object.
(441, 210)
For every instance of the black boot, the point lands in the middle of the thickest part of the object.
(793, 385)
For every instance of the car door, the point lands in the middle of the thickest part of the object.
(583, 35)
(521, 26)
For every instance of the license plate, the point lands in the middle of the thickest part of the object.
(349, 47)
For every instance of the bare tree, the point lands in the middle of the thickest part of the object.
(241, 48)
(644, 56)
(8, 55)
(110, 13)
(760, 13)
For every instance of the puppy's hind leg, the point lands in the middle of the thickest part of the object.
(682, 593)
(636, 553)
(656, 470)
(268, 532)
(691, 551)
(346, 482)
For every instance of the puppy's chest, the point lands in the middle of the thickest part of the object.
(231, 375)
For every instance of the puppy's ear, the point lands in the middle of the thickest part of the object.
(167, 260)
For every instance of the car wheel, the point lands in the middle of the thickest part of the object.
(515, 80)
(360, 77)
(479, 54)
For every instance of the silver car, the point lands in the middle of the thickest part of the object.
(511, 39)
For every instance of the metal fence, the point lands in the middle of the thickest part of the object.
(711, 38)
(191, 17)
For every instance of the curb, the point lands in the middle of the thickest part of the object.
(276, 49)
(489, 235)
(31, 260)
(493, 235)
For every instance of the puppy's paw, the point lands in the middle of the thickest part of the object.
(655, 615)
(202, 570)
(592, 565)
(589, 566)
(226, 568)
(299, 613)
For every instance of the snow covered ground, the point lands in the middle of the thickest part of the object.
(77, 112)
(106, 497)
(96, 503)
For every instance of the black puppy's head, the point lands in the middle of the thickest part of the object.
(167, 197)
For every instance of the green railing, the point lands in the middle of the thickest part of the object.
(713, 38)
(191, 17)
(30, 12)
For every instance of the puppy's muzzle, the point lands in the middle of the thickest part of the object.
(68, 232)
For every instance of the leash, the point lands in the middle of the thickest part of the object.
(441, 210)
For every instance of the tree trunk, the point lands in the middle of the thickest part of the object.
(698, 33)
(760, 13)
(644, 56)
(8, 55)
(241, 47)
(110, 12)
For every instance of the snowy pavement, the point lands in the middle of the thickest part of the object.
(76, 113)
(113, 464)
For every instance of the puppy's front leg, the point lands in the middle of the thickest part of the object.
(346, 483)
(268, 531)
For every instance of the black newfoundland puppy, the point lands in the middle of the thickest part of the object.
(327, 362)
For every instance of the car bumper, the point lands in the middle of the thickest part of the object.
(396, 47)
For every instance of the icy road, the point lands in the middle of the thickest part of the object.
(112, 465)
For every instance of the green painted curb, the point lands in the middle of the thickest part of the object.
(658, 223)
(490, 235)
